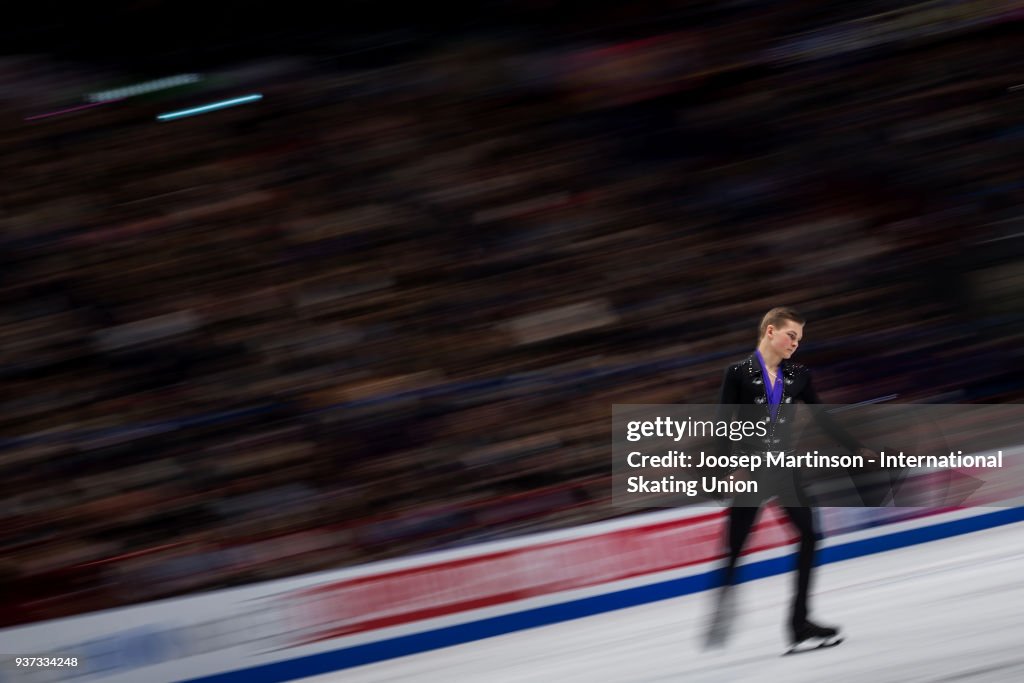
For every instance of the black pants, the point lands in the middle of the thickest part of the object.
(741, 521)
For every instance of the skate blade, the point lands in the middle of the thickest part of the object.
(716, 636)
(813, 644)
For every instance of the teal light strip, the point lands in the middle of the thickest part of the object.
(170, 116)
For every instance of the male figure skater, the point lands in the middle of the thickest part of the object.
(763, 387)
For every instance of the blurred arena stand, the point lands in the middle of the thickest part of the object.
(387, 309)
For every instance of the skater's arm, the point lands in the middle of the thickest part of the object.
(728, 398)
(729, 394)
(826, 421)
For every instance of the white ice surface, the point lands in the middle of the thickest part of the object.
(948, 610)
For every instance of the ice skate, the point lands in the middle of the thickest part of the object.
(722, 619)
(810, 636)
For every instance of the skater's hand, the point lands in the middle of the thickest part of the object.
(872, 460)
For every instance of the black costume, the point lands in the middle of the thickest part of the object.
(745, 395)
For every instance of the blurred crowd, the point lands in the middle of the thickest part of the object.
(387, 309)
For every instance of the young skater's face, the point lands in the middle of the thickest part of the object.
(785, 339)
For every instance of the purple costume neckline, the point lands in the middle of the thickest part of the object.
(772, 391)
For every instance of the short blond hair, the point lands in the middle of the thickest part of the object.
(778, 317)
